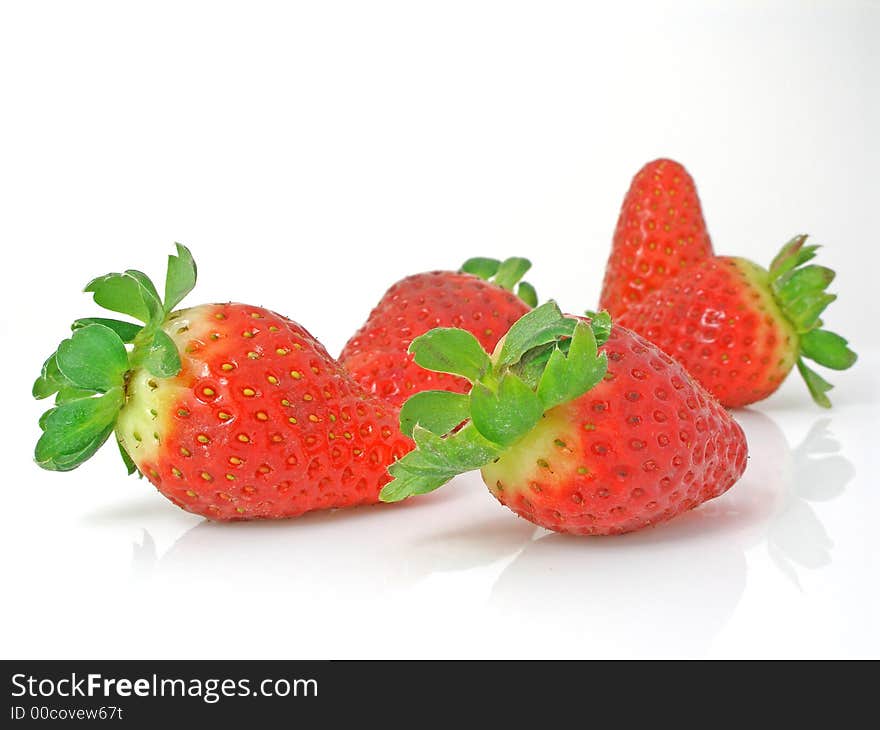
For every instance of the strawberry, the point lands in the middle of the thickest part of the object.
(232, 411)
(478, 298)
(739, 328)
(659, 233)
(571, 437)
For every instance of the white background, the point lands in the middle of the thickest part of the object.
(312, 153)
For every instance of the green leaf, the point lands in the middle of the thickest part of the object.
(73, 431)
(817, 385)
(94, 358)
(527, 293)
(505, 274)
(462, 451)
(807, 253)
(800, 291)
(127, 331)
(161, 357)
(69, 461)
(451, 350)
(50, 380)
(437, 411)
(44, 418)
(435, 461)
(542, 325)
(511, 271)
(804, 312)
(600, 323)
(71, 392)
(810, 279)
(531, 366)
(567, 377)
(126, 459)
(828, 349)
(793, 254)
(482, 267)
(181, 277)
(406, 483)
(788, 251)
(130, 293)
(146, 284)
(504, 416)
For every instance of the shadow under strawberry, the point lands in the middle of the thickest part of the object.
(670, 590)
(378, 548)
(649, 593)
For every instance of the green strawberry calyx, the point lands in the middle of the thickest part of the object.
(545, 360)
(506, 274)
(800, 291)
(89, 372)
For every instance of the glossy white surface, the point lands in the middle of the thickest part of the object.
(351, 145)
(785, 564)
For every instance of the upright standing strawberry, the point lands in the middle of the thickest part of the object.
(739, 328)
(232, 411)
(573, 439)
(659, 233)
(479, 298)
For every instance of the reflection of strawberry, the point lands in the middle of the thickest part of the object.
(561, 441)
(627, 599)
(445, 532)
(739, 329)
(232, 411)
(816, 471)
(479, 298)
(660, 232)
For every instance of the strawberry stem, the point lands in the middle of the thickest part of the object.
(506, 274)
(89, 371)
(545, 360)
(799, 290)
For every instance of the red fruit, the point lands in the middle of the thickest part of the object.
(592, 442)
(739, 328)
(660, 232)
(378, 354)
(644, 445)
(242, 415)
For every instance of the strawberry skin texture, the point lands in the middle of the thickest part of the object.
(721, 321)
(644, 445)
(260, 422)
(660, 232)
(377, 355)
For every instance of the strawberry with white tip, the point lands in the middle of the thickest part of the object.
(232, 411)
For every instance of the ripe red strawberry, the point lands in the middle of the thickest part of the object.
(231, 411)
(479, 298)
(660, 232)
(570, 438)
(739, 328)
